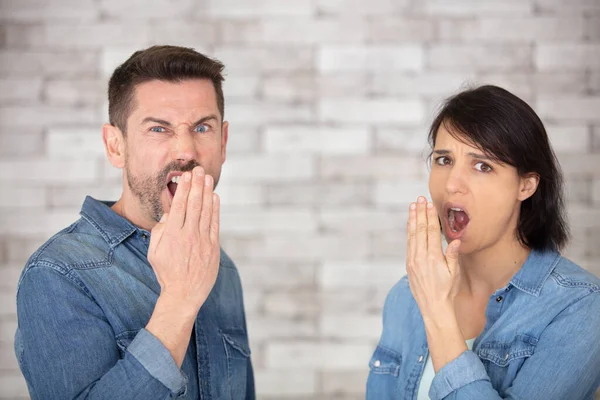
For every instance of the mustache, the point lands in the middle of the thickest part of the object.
(176, 166)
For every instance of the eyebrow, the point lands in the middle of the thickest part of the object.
(480, 156)
(167, 123)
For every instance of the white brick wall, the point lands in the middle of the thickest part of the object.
(329, 103)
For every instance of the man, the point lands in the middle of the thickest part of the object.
(107, 309)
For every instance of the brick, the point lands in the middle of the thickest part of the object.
(374, 167)
(253, 299)
(400, 29)
(15, 63)
(8, 327)
(259, 8)
(361, 8)
(38, 222)
(23, 198)
(374, 111)
(594, 82)
(569, 108)
(315, 139)
(577, 247)
(567, 57)
(352, 299)
(108, 173)
(242, 247)
(292, 304)
(592, 28)
(266, 275)
(19, 91)
(63, 196)
(256, 113)
(240, 86)
(458, 8)
(353, 274)
(48, 115)
(63, 36)
(569, 139)
(296, 87)
(486, 58)
(265, 329)
(296, 247)
(295, 30)
(430, 84)
(511, 29)
(20, 248)
(579, 165)
(275, 168)
(520, 84)
(342, 84)
(252, 220)
(576, 7)
(344, 383)
(317, 355)
(284, 384)
(578, 191)
(46, 171)
(265, 59)
(141, 10)
(400, 194)
(372, 58)
(390, 244)
(593, 250)
(582, 217)
(320, 194)
(240, 195)
(8, 303)
(194, 35)
(112, 57)
(39, 11)
(350, 326)
(75, 143)
(559, 83)
(74, 92)
(13, 385)
(595, 139)
(8, 360)
(16, 142)
(242, 139)
(9, 276)
(402, 140)
(595, 192)
(346, 219)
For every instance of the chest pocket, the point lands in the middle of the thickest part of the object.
(238, 361)
(384, 371)
(503, 360)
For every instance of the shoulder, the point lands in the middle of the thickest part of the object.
(568, 274)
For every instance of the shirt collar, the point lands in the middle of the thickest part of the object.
(536, 270)
(111, 226)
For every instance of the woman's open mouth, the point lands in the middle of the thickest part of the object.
(456, 221)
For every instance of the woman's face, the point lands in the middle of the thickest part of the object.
(478, 199)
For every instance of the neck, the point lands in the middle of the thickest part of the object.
(484, 272)
(128, 208)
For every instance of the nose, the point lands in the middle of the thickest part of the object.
(457, 181)
(184, 148)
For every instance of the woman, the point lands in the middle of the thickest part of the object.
(500, 314)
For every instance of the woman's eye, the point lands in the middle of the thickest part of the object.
(443, 160)
(158, 129)
(483, 167)
(201, 129)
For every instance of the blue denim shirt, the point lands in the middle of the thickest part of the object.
(83, 301)
(541, 341)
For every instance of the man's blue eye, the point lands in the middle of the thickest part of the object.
(201, 128)
(158, 129)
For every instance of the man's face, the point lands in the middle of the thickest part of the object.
(173, 128)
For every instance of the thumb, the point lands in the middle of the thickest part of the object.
(452, 255)
(158, 229)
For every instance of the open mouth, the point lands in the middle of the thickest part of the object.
(173, 182)
(456, 221)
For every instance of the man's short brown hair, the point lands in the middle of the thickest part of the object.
(163, 63)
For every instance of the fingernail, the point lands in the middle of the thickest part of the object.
(430, 205)
(413, 206)
(421, 200)
(207, 180)
(187, 176)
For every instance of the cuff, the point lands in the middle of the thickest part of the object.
(156, 358)
(466, 368)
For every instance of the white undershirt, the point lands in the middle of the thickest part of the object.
(429, 373)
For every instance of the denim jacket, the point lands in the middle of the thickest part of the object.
(541, 341)
(83, 301)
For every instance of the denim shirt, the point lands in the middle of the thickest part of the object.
(83, 301)
(541, 341)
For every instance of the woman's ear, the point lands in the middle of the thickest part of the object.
(114, 144)
(528, 186)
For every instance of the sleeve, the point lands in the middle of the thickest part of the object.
(565, 364)
(67, 349)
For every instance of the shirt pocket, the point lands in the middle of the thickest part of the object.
(384, 372)
(503, 360)
(237, 351)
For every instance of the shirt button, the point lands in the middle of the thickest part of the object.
(506, 358)
(499, 299)
(144, 236)
(377, 363)
(421, 359)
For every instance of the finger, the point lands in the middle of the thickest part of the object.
(434, 234)
(452, 256)
(411, 234)
(215, 220)
(207, 207)
(195, 200)
(421, 236)
(157, 232)
(179, 204)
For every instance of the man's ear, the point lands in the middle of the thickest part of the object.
(224, 138)
(528, 186)
(114, 144)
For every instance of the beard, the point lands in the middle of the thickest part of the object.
(148, 189)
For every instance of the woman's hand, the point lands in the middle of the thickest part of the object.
(433, 277)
